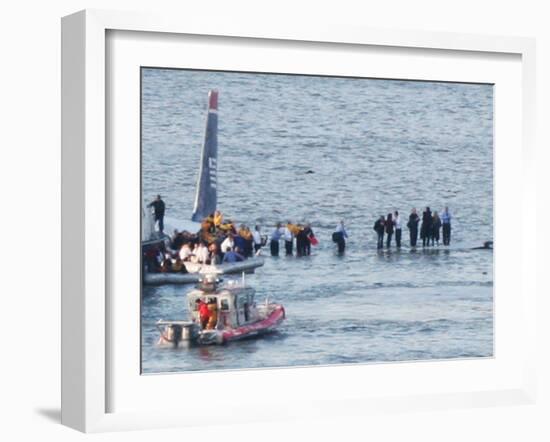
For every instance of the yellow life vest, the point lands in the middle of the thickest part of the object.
(295, 229)
(218, 219)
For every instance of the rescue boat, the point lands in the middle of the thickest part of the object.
(231, 314)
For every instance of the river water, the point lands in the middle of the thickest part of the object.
(374, 146)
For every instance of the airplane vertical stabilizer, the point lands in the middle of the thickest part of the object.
(206, 193)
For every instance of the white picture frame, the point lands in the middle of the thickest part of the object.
(85, 217)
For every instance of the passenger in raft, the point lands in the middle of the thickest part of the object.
(446, 223)
(201, 253)
(275, 237)
(238, 240)
(339, 237)
(177, 240)
(214, 255)
(248, 241)
(166, 266)
(185, 252)
(414, 219)
(218, 218)
(159, 208)
(178, 266)
(379, 227)
(228, 243)
(150, 260)
(232, 255)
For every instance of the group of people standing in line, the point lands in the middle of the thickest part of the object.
(219, 241)
(432, 223)
(301, 232)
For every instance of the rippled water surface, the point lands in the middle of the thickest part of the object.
(374, 146)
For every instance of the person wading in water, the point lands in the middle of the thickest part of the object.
(379, 227)
(389, 229)
(339, 237)
(426, 229)
(414, 219)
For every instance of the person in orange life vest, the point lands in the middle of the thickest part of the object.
(204, 313)
(213, 314)
(218, 218)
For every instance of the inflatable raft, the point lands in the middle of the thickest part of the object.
(196, 271)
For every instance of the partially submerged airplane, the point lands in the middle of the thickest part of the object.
(206, 200)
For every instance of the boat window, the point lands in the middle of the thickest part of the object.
(246, 311)
(224, 304)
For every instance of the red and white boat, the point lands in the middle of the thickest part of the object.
(220, 315)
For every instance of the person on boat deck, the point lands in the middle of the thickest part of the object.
(446, 223)
(218, 218)
(275, 237)
(257, 237)
(436, 226)
(389, 229)
(397, 224)
(379, 227)
(414, 219)
(232, 255)
(204, 313)
(289, 238)
(202, 253)
(159, 207)
(228, 243)
(426, 229)
(339, 237)
(213, 312)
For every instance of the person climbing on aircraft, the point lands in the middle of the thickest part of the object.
(159, 208)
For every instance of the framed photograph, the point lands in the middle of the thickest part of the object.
(294, 222)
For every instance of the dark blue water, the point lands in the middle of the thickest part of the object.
(374, 146)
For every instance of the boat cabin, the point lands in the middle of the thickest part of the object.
(229, 307)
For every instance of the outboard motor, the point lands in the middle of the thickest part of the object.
(175, 332)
